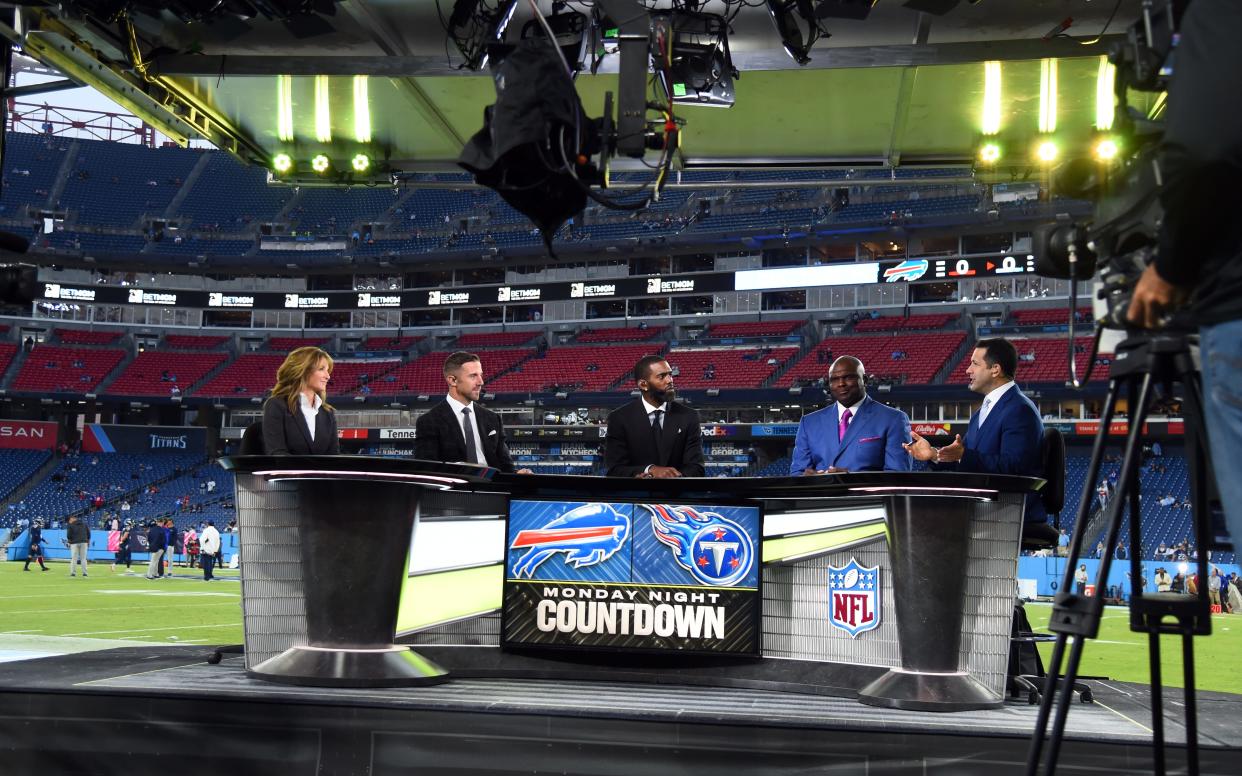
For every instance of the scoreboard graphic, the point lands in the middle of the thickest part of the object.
(632, 576)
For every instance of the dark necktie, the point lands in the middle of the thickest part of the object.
(472, 452)
(657, 426)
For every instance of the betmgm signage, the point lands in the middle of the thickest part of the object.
(632, 576)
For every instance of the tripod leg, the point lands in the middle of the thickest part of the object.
(1192, 721)
(1045, 705)
(1063, 703)
(1157, 705)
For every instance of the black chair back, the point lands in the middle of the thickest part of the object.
(252, 439)
(1052, 455)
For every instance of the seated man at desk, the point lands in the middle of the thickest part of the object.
(654, 436)
(856, 434)
(1005, 435)
(459, 428)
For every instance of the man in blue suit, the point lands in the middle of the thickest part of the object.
(1004, 436)
(856, 434)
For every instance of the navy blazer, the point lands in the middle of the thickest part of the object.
(438, 436)
(873, 441)
(1008, 443)
(286, 433)
(630, 446)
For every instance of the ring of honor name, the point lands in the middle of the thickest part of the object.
(854, 597)
(632, 576)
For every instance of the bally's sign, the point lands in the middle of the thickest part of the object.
(632, 576)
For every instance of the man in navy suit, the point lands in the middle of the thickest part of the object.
(1004, 436)
(856, 434)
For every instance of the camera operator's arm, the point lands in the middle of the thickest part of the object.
(1201, 159)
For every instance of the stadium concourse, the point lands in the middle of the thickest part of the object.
(173, 282)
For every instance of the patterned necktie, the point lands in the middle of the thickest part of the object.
(472, 452)
(983, 411)
(844, 425)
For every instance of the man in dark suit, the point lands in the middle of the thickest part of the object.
(459, 428)
(855, 434)
(1005, 435)
(654, 436)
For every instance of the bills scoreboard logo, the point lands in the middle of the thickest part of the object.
(854, 597)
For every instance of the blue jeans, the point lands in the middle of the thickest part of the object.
(1221, 350)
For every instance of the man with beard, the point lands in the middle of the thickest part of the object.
(654, 436)
(855, 434)
(1005, 435)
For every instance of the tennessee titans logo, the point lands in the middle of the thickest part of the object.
(910, 269)
(854, 597)
(589, 534)
(715, 550)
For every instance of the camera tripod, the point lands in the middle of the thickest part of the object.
(1141, 360)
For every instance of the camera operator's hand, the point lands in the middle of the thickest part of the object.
(1153, 297)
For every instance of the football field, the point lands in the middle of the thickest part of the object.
(51, 612)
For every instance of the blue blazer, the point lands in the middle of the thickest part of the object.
(1008, 443)
(873, 441)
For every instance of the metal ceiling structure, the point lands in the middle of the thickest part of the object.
(901, 87)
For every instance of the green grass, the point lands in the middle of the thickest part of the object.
(120, 606)
(1122, 654)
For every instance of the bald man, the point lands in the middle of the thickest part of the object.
(856, 434)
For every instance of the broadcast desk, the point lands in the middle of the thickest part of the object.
(325, 540)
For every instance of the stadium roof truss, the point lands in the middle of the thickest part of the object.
(899, 88)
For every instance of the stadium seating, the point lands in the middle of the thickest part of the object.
(629, 334)
(500, 339)
(425, 374)
(900, 323)
(78, 478)
(251, 374)
(16, 466)
(348, 376)
(113, 184)
(572, 369)
(732, 367)
(84, 337)
(61, 369)
(194, 342)
(286, 344)
(7, 351)
(390, 343)
(746, 329)
(1050, 363)
(156, 373)
(1046, 317)
(925, 355)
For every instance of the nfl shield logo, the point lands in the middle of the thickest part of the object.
(854, 597)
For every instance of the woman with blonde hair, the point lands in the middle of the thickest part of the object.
(297, 419)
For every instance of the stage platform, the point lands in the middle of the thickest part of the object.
(164, 710)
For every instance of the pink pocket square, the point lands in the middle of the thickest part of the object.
(870, 439)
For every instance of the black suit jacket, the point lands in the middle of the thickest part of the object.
(286, 433)
(438, 436)
(630, 447)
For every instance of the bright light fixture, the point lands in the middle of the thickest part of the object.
(1046, 151)
(323, 110)
(1105, 99)
(284, 108)
(1106, 149)
(320, 163)
(282, 163)
(991, 120)
(1048, 95)
(361, 163)
(989, 153)
(362, 110)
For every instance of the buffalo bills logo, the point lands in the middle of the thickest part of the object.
(909, 270)
(588, 535)
(854, 597)
(715, 550)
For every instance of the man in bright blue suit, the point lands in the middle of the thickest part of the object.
(1005, 435)
(856, 434)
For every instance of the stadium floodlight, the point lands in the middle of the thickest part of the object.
(362, 110)
(1048, 95)
(360, 163)
(989, 153)
(320, 163)
(323, 110)
(1106, 149)
(991, 119)
(284, 108)
(282, 163)
(1046, 151)
(1105, 96)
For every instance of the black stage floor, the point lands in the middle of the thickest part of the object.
(164, 711)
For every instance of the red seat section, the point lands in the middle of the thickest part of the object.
(7, 351)
(732, 367)
(925, 355)
(194, 342)
(498, 339)
(1048, 317)
(56, 368)
(347, 376)
(425, 374)
(631, 334)
(252, 374)
(287, 344)
(1051, 364)
(83, 337)
(155, 373)
(761, 329)
(390, 343)
(573, 368)
(911, 323)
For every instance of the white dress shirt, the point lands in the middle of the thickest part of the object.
(989, 401)
(474, 425)
(309, 410)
